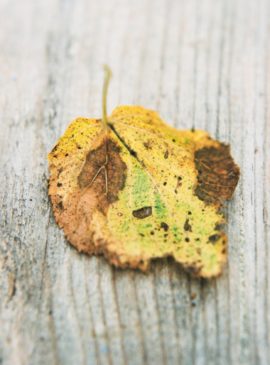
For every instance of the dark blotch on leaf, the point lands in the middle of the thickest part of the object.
(133, 153)
(214, 238)
(187, 226)
(93, 174)
(164, 226)
(142, 212)
(219, 227)
(218, 175)
(147, 145)
(60, 205)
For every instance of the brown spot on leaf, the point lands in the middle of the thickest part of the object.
(60, 171)
(214, 238)
(101, 165)
(164, 226)
(179, 182)
(187, 226)
(147, 145)
(142, 212)
(60, 205)
(166, 154)
(219, 227)
(218, 174)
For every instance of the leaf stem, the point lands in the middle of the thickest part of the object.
(107, 78)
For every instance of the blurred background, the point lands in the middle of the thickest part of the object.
(199, 63)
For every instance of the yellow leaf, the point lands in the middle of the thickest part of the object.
(135, 189)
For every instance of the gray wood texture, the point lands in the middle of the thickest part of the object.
(200, 63)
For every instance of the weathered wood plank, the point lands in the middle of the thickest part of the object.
(200, 63)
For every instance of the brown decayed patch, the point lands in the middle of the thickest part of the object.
(75, 214)
(103, 160)
(218, 174)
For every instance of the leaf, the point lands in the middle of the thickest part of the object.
(135, 189)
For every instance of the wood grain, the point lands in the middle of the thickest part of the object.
(200, 63)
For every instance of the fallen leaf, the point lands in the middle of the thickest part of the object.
(134, 189)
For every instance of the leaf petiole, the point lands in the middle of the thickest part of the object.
(107, 78)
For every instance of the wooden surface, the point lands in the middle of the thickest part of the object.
(201, 63)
